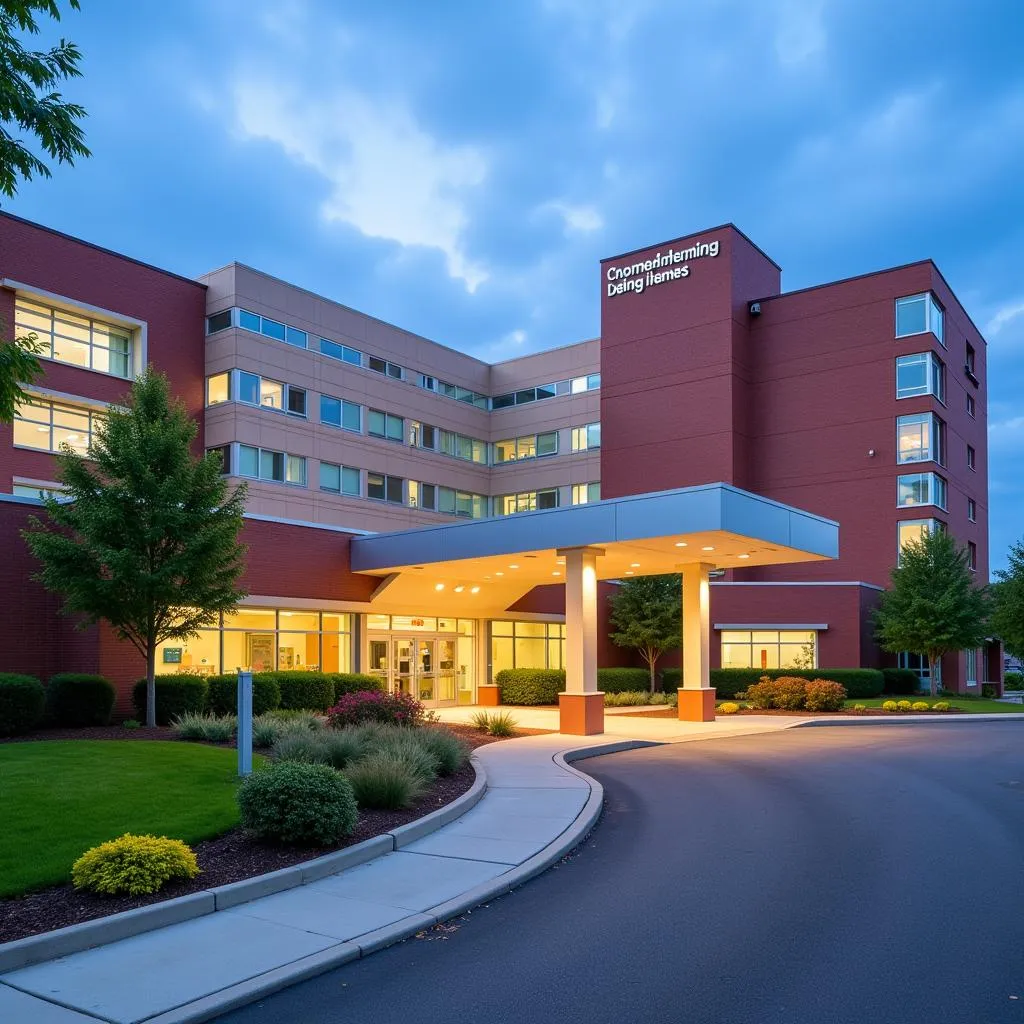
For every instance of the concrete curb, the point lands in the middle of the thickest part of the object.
(35, 949)
(904, 719)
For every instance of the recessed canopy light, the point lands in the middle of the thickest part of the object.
(513, 566)
(634, 565)
(708, 547)
(560, 559)
(680, 543)
(743, 556)
(629, 572)
(439, 586)
(487, 577)
(474, 590)
(556, 573)
(459, 589)
(499, 574)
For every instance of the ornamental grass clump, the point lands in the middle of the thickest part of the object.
(377, 706)
(382, 781)
(328, 746)
(134, 865)
(204, 727)
(494, 723)
(450, 752)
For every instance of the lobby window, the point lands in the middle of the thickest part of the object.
(585, 438)
(223, 453)
(340, 479)
(971, 459)
(972, 510)
(918, 314)
(336, 412)
(347, 355)
(385, 488)
(920, 438)
(379, 365)
(218, 321)
(385, 424)
(533, 446)
(76, 339)
(970, 405)
(769, 648)
(46, 425)
(218, 389)
(584, 494)
(921, 489)
(920, 374)
(525, 501)
(972, 556)
(910, 531)
(527, 645)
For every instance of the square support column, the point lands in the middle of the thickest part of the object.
(581, 706)
(696, 697)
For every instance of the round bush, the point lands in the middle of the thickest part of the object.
(860, 707)
(176, 695)
(75, 700)
(22, 701)
(890, 705)
(304, 804)
(903, 705)
(134, 865)
(942, 705)
(824, 695)
(376, 706)
(384, 782)
(790, 693)
(728, 708)
(920, 705)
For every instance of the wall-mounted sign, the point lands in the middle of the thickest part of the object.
(664, 266)
(172, 655)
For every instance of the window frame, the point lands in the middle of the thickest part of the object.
(936, 490)
(935, 315)
(53, 409)
(935, 377)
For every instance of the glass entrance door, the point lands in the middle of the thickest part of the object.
(446, 671)
(403, 669)
(426, 668)
(423, 667)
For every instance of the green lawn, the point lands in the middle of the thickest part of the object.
(58, 798)
(969, 705)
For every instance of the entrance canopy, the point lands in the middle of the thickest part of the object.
(481, 567)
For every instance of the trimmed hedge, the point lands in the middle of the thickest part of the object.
(75, 699)
(293, 691)
(728, 682)
(353, 682)
(304, 691)
(22, 701)
(530, 685)
(900, 680)
(623, 680)
(1013, 681)
(176, 695)
(222, 694)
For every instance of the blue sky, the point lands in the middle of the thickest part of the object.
(459, 168)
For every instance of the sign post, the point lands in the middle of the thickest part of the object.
(244, 723)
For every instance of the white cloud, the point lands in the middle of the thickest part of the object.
(389, 178)
(576, 218)
(1004, 315)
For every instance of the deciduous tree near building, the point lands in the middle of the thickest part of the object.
(647, 616)
(1008, 602)
(146, 535)
(932, 606)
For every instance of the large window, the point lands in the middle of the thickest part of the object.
(340, 479)
(343, 352)
(585, 438)
(385, 488)
(583, 494)
(76, 339)
(971, 667)
(379, 365)
(454, 391)
(921, 489)
(447, 442)
(533, 446)
(769, 648)
(252, 389)
(277, 467)
(917, 314)
(920, 374)
(46, 425)
(336, 412)
(447, 500)
(919, 663)
(575, 386)
(264, 640)
(920, 438)
(385, 424)
(913, 530)
(272, 329)
(525, 501)
(527, 645)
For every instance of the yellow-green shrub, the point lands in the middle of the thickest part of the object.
(728, 708)
(860, 707)
(920, 705)
(890, 705)
(942, 705)
(904, 705)
(134, 865)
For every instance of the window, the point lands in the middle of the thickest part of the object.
(970, 405)
(919, 663)
(385, 424)
(972, 556)
(576, 386)
(342, 352)
(527, 645)
(383, 366)
(526, 501)
(296, 401)
(970, 457)
(458, 446)
(920, 374)
(336, 412)
(769, 648)
(38, 491)
(223, 452)
(971, 667)
(293, 336)
(583, 494)
(278, 467)
(969, 364)
(585, 438)
(218, 321)
(917, 314)
(339, 479)
(911, 531)
(533, 446)
(428, 383)
(46, 425)
(385, 488)
(272, 329)
(295, 470)
(921, 489)
(447, 500)
(218, 389)
(972, 510)
(76, 339)
(920, 438)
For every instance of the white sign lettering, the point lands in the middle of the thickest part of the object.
(670, 265)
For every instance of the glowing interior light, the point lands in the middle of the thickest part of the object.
(439, 586)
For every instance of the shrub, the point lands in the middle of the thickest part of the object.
(266, 730)
(790, 693)
(989, 690)
(222, 694)
(903, 705)
(76, 700)
(22, 700)
(495, 723)
(622, 680)
(860, 707)
(211, 728)
(450, 752)
(404, 745)
(761, 696)
(305, 804)
(134, 865)
(900, 680)
(131, 723)
(530, 686)
(384, 782)
(663, 698)
(859, 682)
(672, 679)
(890, 705)
(335, 748)
(629, 698)
(306, 691)
(353, 682)
(1013, 681)
(377, 706)
(824, 695)
(942, 705)
(728, 708)
(176, 695)
(920, 705)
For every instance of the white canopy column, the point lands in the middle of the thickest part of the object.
(696, 697)
(581, 706)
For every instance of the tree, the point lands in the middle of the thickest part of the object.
(647, 615)
(146, 535)
(932, 605)
(30, 106)
(18, 365)
(1008, 603)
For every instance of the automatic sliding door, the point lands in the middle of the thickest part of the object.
(446, 671)
(403, 677)
(426, 669)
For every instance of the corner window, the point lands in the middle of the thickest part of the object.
(911, 531)
(223, 453)
(585, 438)
(920, 374)
(218, 321)
(919, 438)
(918, 314)
(921, 489)
(218, 389)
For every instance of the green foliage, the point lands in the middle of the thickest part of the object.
(304, 804)
(205, 727)
(900, 680)
(22, 702)
(222, 694)
(30, 105)
(78, 700)
(932, 605)
(920, 705)
(384, 782)
(728, 707)
(904, 705)
(647, 615)
(530, 686)
(890, 705)
(630, 698)
(131, 723)
(824, 695)
(623, 680)
(942, 705)
(1008, 602)
(18, 365)
(353, 682)
(494, 723)
(134, 865)
(729, 682)
(1013, 681)
(149, 541)
(860, 707)
(989, 690)
(176, 695)
(305, 691)
(448, 750)
(336, 748)
(794, 693)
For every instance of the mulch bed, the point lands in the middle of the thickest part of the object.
(228, 858)
(849, 713)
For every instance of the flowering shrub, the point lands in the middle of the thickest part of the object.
(786, 693)
(904, 705)
(942, 705)
(824, 695)
(920, 705)
(135, 865)
(761, 695)
(728, 708)
(375, 706)
(890, 705)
